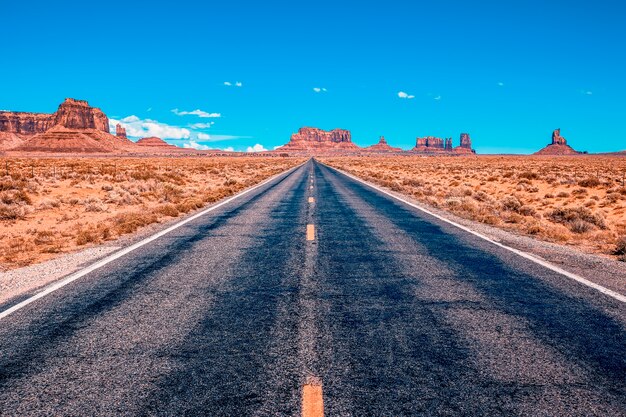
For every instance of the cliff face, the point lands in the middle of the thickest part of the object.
(77, 114)
(120, 131)
(310, 139)
(434, 145)
(23, 123)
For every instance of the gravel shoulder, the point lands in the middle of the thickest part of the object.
(601, 270)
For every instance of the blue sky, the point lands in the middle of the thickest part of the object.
(508, 73)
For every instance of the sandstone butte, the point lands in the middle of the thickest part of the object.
(154, 141)
(558, 146)
(314, 141)
(382, 147)
(74, 128)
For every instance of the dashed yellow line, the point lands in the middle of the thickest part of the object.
(312, 400)
(310, 232)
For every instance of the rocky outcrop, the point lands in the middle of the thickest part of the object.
(120, 131)
(429, 143)
(557, 139)
(154, 141)
(22, 123)
(77, 114)
(314, 140)
(558, 146)
(439, 146)
(466, 142)
(383, 147)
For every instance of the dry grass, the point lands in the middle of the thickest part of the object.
(54, 206)
(575, 200)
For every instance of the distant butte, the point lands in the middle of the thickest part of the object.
(558, 146)
(154, 141)
(383, 147)
(313, 140)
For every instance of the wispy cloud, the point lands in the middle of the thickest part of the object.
(500, 84)
(201, 125)
(319, 89)
(203, 136)
(437, 98)
(589, 93)
(227, 83)
(141, 128)
(236, 84)
(404, 95)
(197, 112)
(192, 144)
(256, 148)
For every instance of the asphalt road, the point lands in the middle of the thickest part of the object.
(397, 313)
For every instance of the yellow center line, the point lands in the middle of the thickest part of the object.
(310, 232)
(312, 400)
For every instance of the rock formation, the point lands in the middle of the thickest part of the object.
(77, 114)
(466, 142)
(23, 123)
(429, 143)
(154, 141)
(314, 140)
(75, 127)
(557, 139)
(120, 131)
(558, 146)
(65, 129)
(438, 146)
(382, 146)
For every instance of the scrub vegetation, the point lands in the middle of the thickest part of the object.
(56, 205)
(578, 201)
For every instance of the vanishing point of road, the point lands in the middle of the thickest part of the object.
(311, 293)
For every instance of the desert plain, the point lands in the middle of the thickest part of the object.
(579, 201)
(53, 206)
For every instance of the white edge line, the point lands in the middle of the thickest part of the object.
(575, 277)
(99, 264)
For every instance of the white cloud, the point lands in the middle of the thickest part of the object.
(239, 84)
(149, 109)
(138, 128)
(227, 83)
(197, 112)
(589, 93)
(319, 89)
(437, 98)
(402, 94)
(229, 149)
(192, 144)
(278, 147)
(256, 148)
(501, 84)
(203, 136)
(201, 125)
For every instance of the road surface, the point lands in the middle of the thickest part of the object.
(316, 278)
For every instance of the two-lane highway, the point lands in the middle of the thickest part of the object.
(315, 278)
